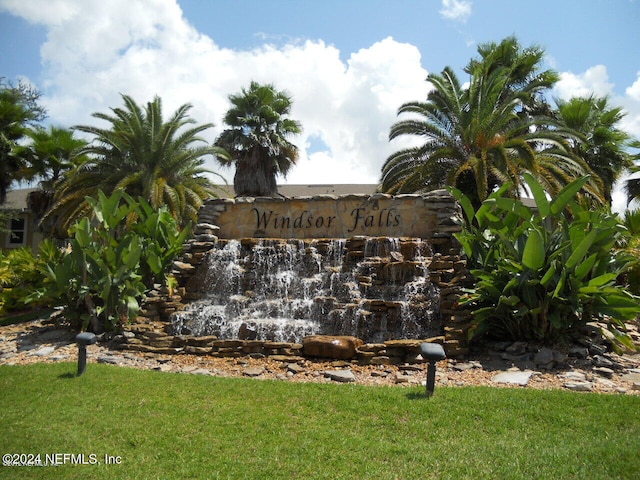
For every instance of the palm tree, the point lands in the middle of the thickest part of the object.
(49, 154)
(601, 144)
(18, 111)
(476, 140)
(479, 137)
(257, 139)
(144, 156)
(523, 66)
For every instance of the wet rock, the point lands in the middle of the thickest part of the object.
(327, 346)
(397, 256)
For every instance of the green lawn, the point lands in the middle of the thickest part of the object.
(165, 425)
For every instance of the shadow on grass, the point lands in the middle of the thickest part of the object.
(67, 375)
(417, 395)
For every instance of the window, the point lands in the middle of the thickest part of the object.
(17, 232)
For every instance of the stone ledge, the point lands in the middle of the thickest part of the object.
(391, 352)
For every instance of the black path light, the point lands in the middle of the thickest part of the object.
(83, 339)
(431, 352)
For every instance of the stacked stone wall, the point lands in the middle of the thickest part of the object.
(434, 216)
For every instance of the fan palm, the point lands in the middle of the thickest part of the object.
(49, 154)
(601, 144)
(257, 140)
(146, 157)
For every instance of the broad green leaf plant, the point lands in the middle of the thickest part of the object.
(543, 272)
(113, 258)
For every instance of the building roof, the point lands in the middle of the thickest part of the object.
(17, 199)
(320, 189)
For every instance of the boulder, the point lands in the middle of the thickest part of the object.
(328, 346)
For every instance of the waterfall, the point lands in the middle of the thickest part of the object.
(375, 288)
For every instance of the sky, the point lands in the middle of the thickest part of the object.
(348, 65)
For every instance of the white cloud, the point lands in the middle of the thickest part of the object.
(48, 12)
(97, 50)
(457, 10)
(593, 81)
(634, 90)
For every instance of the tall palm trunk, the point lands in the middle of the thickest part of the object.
(255, 176)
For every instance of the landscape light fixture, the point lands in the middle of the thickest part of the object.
(83, 339)
(431, 352)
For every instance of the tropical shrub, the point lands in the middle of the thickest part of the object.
(542, 273)
(101, 275)
(21, 274)
(631, 246)
(161, 238)
(98, 276)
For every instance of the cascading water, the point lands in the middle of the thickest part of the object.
(374, 288)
